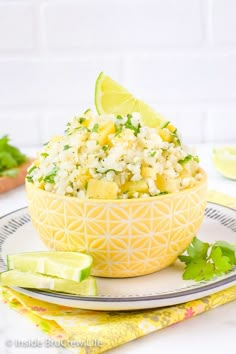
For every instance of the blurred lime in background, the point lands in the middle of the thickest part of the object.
(224, 159)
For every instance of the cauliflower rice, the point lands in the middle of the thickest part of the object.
(110, 157)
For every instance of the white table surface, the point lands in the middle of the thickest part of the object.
(210, 332)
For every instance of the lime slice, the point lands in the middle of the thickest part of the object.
(224, 159)
(39, 281)
(112, 98)
(67, 265)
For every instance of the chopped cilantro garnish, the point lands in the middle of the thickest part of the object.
(85, 128)
(66, 147)
(118, 130)
(29, 179)
(40, 179)
(165, 125)
(161, 193)
(186, 159)
(82, 119)
(119, 116)
(109, 170)
(176, 137)
(129, 125)
(95, 128)
(105, 148)
(44, 154)
(50, 177)
(189, 158)
(104, 172)
(81, 128)
(86, 185)
(153, 153)
(32, 169)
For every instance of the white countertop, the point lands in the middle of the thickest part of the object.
(210, 332)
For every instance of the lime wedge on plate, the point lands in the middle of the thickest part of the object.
(39, 281)
(67, 265)
(224, 159)
(112, 98)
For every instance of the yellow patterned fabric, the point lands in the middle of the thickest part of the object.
(94, 332)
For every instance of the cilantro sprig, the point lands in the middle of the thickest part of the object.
(205, 261)
(10, 158)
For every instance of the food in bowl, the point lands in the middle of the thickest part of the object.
(114, 157)
(124, 191)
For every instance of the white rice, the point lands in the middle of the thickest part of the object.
(66, 160)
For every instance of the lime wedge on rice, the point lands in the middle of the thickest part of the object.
(67, 265)
(112, 98)
(39, 281)
(224, 159)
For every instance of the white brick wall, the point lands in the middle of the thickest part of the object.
(178, 55)
(121, 24)
(17, 26)
(223, 19)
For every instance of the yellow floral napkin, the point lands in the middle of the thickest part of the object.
(94, 332)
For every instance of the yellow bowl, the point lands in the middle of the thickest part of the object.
(125, 237)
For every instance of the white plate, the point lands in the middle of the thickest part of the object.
(163, 288)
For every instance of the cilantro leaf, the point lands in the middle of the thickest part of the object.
(222, 263)
(6, 161)
(227, 250)
(198, 270)
(185, 259)
(205, 261)
(4, 142)
(10, 156)
(198, 249)
(12, 172)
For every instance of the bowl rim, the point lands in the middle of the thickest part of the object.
(119, 201)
